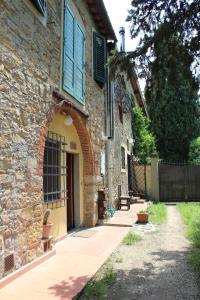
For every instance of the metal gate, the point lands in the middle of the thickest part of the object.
(179, 181)
(139, 184)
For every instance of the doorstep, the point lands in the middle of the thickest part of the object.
(16, 274)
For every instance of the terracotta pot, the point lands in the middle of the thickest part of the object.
(142, 217)
(46, 230)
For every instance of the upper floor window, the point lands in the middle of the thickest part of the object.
(123, 160)
(73, 56)
(99, 57)
(41, 6)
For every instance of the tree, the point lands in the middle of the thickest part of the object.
(144, 145)
(172, 99)
(194, 152)
(146, 16)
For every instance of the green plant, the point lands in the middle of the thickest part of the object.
(194, 151)
(157, 213)
(131, 238)
(143, 211)
(96, 288)
(144, 145)
(46, 216)
(118, 259)
(191, 217)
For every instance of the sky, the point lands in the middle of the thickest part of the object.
(118, 11)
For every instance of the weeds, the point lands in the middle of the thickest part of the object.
(131, 238)
(157, 213)
(96, 288)
(191, 217)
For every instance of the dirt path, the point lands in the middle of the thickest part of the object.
(156, 267)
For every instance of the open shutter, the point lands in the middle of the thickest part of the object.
(69, 52)
(99, 57)
(80, 64)
(41, 6)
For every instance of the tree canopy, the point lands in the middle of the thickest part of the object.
(172, 97)
(146, 16)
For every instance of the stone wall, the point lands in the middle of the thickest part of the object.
(122, 133)
(30, 56)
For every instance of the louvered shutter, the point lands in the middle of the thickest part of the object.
(80, 64)
(99, 57)
(69, 52)
(41, 6)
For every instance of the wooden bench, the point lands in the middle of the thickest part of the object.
(123, 200)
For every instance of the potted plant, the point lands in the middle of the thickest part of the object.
(142, 216)
(46, 226)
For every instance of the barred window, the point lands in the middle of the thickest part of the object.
(54, 169)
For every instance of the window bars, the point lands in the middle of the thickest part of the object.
(54, 170)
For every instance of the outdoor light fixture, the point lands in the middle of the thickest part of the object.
(68, 120)
(131, 141)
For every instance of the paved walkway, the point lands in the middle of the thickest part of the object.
(76, 261)
(156, 268)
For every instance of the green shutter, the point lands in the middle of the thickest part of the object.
(69, 52)
(73, 57)
(99, 57)
(80, 64)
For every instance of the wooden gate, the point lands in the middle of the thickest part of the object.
(179, 182)
(139, 184)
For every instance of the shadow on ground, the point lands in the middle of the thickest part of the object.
(166, 275)
(65, 290)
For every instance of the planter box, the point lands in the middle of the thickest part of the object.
(142, 217)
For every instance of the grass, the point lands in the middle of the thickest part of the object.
(131, 238)
(157, 213)
(96, 288)
(191, 217)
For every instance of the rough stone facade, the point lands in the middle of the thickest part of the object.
(122, 137)
(30, 69)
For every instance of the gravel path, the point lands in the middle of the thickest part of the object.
(156, 267)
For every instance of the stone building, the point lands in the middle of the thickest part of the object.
(52, 99)
(125, 93)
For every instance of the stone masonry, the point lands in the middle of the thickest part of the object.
(30, 68)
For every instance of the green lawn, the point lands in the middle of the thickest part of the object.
(191, 217)
(157, 213)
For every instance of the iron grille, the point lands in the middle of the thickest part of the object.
(54, 169)
(8, 263)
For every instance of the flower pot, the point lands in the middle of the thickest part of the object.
(142, 217)
(46, 230)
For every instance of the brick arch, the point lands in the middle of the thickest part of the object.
(79, 122)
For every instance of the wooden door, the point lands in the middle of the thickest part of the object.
(70, 191)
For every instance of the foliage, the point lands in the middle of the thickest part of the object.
(144, 145)
(191, 217)
(194, 151)
(96, 288)
(173, 97)
(181, 17)
(157, 213)
(131, 238)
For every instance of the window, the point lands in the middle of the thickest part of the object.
(54, 168)
(73, 57)
(99, 57)
(123, 157)
(41, 6)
